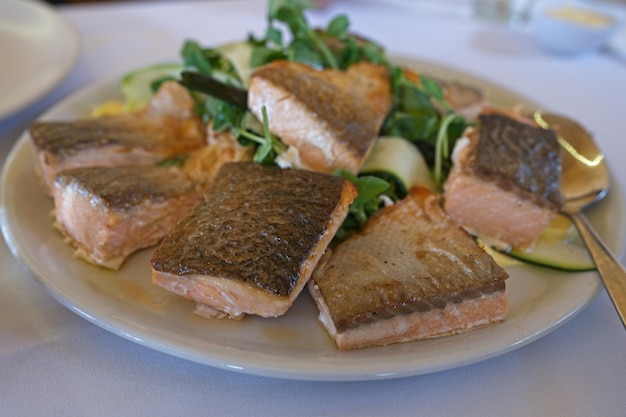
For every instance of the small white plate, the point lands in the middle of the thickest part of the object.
(293, 346)
(571, 27)
(38, 50)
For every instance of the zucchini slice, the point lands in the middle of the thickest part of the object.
(136, 86)
(239, 54)
(398, 160)
(559, 247)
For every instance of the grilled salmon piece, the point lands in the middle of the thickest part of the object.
(466, 100)
(409, 274)
(328, 118)
(504, 185)
(251, 245)
(107, 213)
(167, 127)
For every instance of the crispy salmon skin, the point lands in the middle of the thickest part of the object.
(409, 274)
(467, 101)
(107, 213)
(167, 127)
(504, 185)
(251, 245)
(329, 118)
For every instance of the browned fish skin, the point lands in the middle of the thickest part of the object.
(466, 100)
(107, 213)
(64, 138)
(504, 184)
(123, 188)
(323, 100)
(259, 225)
(519, 157)
(331, 117)
(167, 127)
(409, 260)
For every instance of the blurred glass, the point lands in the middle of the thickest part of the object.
(512, 12)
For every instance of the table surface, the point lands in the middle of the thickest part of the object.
(53, 362)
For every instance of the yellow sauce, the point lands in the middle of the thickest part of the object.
(580, 16)
(561, 228)
(108, 108)
(501, 259)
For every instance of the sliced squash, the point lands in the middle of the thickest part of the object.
(559, 247)
(399, 161)
(137, 85)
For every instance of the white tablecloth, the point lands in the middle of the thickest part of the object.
(52, 362)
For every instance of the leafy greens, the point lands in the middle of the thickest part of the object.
(419, 114)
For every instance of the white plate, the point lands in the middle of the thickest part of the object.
(295, 345)
(38, 49)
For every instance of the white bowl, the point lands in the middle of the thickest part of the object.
(570, 27)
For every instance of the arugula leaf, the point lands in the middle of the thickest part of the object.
(269, 145)
(262, 55)
(421, 114)
(211, 62)
(338, 26)
(294, 18)
(275, 6)
(193, 57)
(433, 89)
(443, 146)
(364, 205)
(223, 115)
(333, 47)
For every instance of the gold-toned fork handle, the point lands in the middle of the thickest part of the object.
(610, 270)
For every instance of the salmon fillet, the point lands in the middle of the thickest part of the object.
(466, 100)
(328, 118)
(107, 213)
(504, 185)
(251, 245)
(409, 274)
(167, 127)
